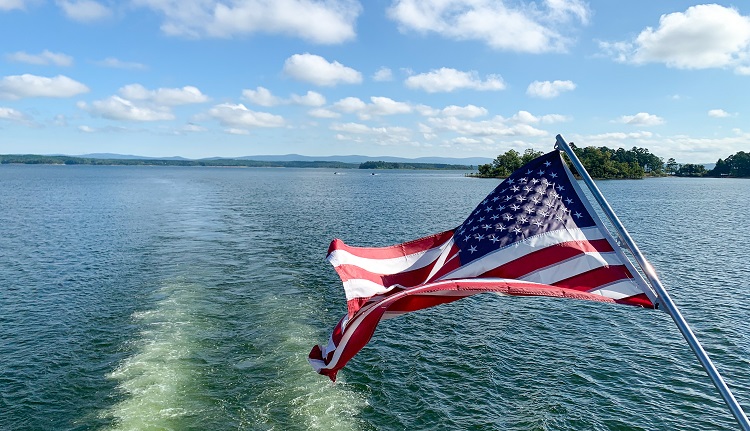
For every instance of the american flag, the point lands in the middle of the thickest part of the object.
(536, 234)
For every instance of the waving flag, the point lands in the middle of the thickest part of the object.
(536, 234)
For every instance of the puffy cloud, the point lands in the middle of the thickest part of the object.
(137, 103)
(549, 89)
(350, 105)
(704, 36)
(311, 98)
(526, 117)
(497, 127)
(164, 96)
(43, 59)
(383, 74)
(447, 80)
(468, 111)
(387, 106)
(718, 113)
(380, 106)
(84, 10)
(317, 21)
(117, 108)
(261, 96)
(641, 119)
(317, 70)
(23, 86)
(238, 116)
(523, 28)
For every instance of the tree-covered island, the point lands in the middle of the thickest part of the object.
(608, 163)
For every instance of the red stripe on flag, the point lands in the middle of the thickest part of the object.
(398, 250)
(590, 280)
(546, 257)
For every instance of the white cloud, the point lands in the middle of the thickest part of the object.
(641, 119)
(380, 106)
(616, 136)
(549, 89)
(525, 117)
(119, 64)
(497, 127)
(317, 70)
(261, 96)
(468, 111)
(317, 21)
(685, 149)
(356, 132)
(235, 131)
(311, 98)
(8, 5)
(238, 116)
(43, 59)
(704, 36)
(84, 10)
(387, 106)
(323, 113)
(383, 74)
(523, 28)
(86, 129)
(117, 108)
(718, 113)
(23, 86)
(447, 80)
(164, 96)
(350, 105)
(13, 115)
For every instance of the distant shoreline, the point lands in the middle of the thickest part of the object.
(33, 159)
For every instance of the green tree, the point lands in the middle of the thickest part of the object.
(691, 170)
(672, 165)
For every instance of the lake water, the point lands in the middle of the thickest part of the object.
(136, 298)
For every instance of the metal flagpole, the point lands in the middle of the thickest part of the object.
(664, 301)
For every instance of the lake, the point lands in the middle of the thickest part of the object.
(188, 298)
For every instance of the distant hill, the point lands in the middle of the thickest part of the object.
(472, 161)
(113, 156)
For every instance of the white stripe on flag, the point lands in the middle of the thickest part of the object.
(522, 248)
(390, 265)
(572, 267)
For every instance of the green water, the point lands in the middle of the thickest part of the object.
(136, 298)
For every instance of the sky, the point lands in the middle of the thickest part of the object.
(408, 78)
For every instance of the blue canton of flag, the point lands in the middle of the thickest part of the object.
(536, 199)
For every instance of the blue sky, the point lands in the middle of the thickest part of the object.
(410, 78)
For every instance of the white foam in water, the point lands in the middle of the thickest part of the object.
(161, 391)
(156, 380)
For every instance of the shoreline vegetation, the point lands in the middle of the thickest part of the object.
(607, 163)
(32, 159)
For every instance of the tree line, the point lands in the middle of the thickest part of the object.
(608, 163)
(398, 165)
(736, 165)
(33, 159)
(601, 162)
